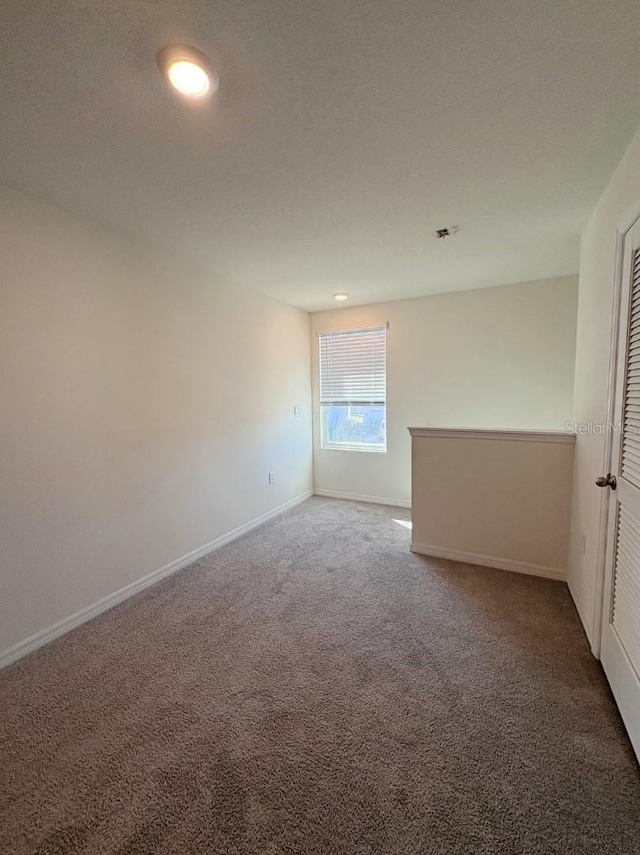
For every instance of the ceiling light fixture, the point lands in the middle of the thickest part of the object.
(188, 71)
(341, 296)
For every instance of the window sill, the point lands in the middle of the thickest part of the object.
(343, 446)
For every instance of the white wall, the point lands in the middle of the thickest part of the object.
(142, 407)
(496, 357)
(597, 260)
(493, 498)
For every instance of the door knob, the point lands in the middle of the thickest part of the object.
(607, 481)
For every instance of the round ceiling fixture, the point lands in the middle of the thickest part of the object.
(341, 296)
(188, 71)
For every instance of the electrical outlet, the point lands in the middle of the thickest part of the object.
(297, 411)
(272, 478)
(583, 542)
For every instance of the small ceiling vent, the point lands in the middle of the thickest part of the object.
(446, 232)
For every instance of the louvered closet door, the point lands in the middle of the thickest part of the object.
(620, 651)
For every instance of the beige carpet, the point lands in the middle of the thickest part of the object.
(315, 688)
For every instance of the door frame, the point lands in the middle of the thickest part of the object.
(599, 615)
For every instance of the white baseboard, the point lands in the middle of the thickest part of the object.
(490, 561)
(22, 648)
(355, 497)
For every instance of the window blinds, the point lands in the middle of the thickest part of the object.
(353, 366)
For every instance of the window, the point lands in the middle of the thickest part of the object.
(353, 385)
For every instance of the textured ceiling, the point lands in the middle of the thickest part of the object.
(343, 134)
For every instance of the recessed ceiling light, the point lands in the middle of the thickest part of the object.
(188, 71)
(341, 296)
(188, 78)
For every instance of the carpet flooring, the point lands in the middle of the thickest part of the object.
(315, 688)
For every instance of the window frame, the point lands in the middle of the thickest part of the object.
(366, 447)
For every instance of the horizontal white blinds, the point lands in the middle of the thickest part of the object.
(631, 423)
(353, 366)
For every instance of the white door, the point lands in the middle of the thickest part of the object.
(620, 646)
